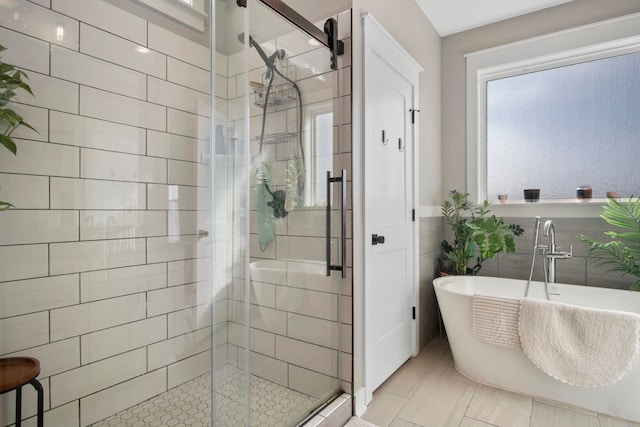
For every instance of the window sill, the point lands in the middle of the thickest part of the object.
(552, 208)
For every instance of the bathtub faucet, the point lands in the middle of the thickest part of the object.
(551, 252)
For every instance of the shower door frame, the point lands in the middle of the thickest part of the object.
(328, 38)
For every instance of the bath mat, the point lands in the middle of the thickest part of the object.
(578, 345)
(495, 320)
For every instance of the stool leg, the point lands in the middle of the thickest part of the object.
(19, 406)
(36, 384)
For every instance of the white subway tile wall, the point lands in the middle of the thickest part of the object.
(106, 17)
(70, 129)
(102, 277)
(98, 406)
(28, 51)
(40, 23)
(80, 68)
(38, 119)
(122, 52)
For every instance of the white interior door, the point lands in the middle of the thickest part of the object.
(389, 201)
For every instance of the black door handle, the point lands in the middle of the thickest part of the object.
(377, 240)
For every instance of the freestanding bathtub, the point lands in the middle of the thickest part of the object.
(509, 368)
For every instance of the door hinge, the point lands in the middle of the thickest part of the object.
(413, 313)
(413, 215)
(413, 115)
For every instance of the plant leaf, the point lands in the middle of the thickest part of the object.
(11, 80)
(473, 227)
(8, 144)
(622, 254)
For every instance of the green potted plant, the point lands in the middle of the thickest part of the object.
(11, 80)
(474, 229)
(622, 254)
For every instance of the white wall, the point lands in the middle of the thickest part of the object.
(404, 20)
(98, 260)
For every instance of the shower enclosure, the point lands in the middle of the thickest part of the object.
(276, 139)
(179, 246)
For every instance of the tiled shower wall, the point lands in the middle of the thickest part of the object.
(300, 321)
(103, 277)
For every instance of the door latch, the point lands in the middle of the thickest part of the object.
(377, 240)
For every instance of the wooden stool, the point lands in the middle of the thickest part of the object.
(16, 372)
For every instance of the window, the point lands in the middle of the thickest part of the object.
(555, 113)
(563, 127)
(318, 151)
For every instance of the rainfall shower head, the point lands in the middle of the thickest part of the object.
(279, 54)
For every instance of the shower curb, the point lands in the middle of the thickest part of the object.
(335, 414)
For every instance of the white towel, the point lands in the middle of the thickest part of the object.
(495, 320)
(578, 345)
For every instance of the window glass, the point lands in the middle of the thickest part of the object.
(319, 151)
(565, 127)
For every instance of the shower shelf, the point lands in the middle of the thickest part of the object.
(278, 138)
(279, 96)
(282, 92)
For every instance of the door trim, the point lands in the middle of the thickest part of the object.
(378, 42)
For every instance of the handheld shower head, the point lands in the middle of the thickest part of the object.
(279, 54)
(536, 232)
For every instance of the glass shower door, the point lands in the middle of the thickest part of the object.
(293, 106)
(230, 207)
(282, 325)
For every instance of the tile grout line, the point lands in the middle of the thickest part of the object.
(424, 378)
(464, 415)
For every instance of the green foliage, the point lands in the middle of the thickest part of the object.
(11, 80)
(473, 228)
(622, 253)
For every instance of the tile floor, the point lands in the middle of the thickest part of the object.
(428, 391)
(188, 404)
(358, 422)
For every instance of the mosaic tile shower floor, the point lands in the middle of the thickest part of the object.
(188, 404)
